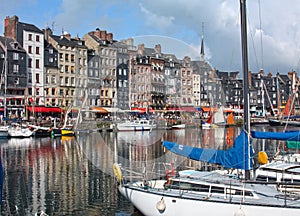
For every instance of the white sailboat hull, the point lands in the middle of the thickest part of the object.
(3, 132)
(19, 132)
(146, 201)
(138, 125)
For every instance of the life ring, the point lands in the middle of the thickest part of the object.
(117, 171)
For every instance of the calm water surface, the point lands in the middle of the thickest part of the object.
(73, 175)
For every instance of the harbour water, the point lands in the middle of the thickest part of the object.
(74, 175)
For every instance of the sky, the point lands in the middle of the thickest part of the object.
(178, 25)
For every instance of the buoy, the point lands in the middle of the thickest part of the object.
(161, 205)
(239, 212)
(262, 157)
(117, 171)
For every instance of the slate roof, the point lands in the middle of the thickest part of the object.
(10, 44)
(30, 27)
(63, 41)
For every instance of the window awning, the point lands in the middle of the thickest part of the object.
(42, 109)
(99, 110)
(185, 109)
(209, 109)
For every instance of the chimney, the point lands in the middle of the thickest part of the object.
(97, 33)
(47, 32)
(158, 48)
(103, 35)
(141, 48)
(10, 27)
(68, 36)
(261, 72)
(109, 37)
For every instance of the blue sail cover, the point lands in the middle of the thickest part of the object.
(287, 136)
(238, 157)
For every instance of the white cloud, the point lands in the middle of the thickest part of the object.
(280, 22)
(156, 21)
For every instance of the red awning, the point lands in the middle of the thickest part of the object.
(141, 109)
(100, 110)
(209, 109)
(184, 109)
(40, 109)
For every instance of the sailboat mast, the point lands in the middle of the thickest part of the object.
(245, 75)
(5, 81)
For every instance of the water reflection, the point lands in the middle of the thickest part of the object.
(73, 176)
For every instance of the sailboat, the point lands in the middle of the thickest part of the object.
(216, 119)
(212, 193)
(287, 117)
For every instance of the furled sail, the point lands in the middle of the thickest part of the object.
(286, 136)
(238, 157)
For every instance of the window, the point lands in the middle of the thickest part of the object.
(67, 68)
(30, 37)
(37, 50)
(37, 78)
(50, 51)
(15, 68)
(37, 63)
(29, 49)
(15, 56)
(50, 59)
(53, 80)
(37, 38)
(66, 80)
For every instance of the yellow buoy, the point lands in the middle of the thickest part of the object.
(117, 171)
(262, 157)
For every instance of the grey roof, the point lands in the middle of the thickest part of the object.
(64, 41)
(10, 44)
(30, 27)
(170, 56)
(98, 40)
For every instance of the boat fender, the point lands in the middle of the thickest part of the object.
(239, 212)
(161, 205)
(262, 157)
(117, 171)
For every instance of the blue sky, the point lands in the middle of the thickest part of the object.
(273, 26)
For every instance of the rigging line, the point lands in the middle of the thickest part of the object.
(253, 45)
(261, 40)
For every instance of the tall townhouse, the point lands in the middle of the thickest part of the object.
(148, 82)
(52, 74)
(232, 87)
(186, 82)
(158, 87)
(31, 39)
(101, 42)
(140, 79)
(172, 80)
(81, 73)
(13, 78)
(125, 49)
(72, 67)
